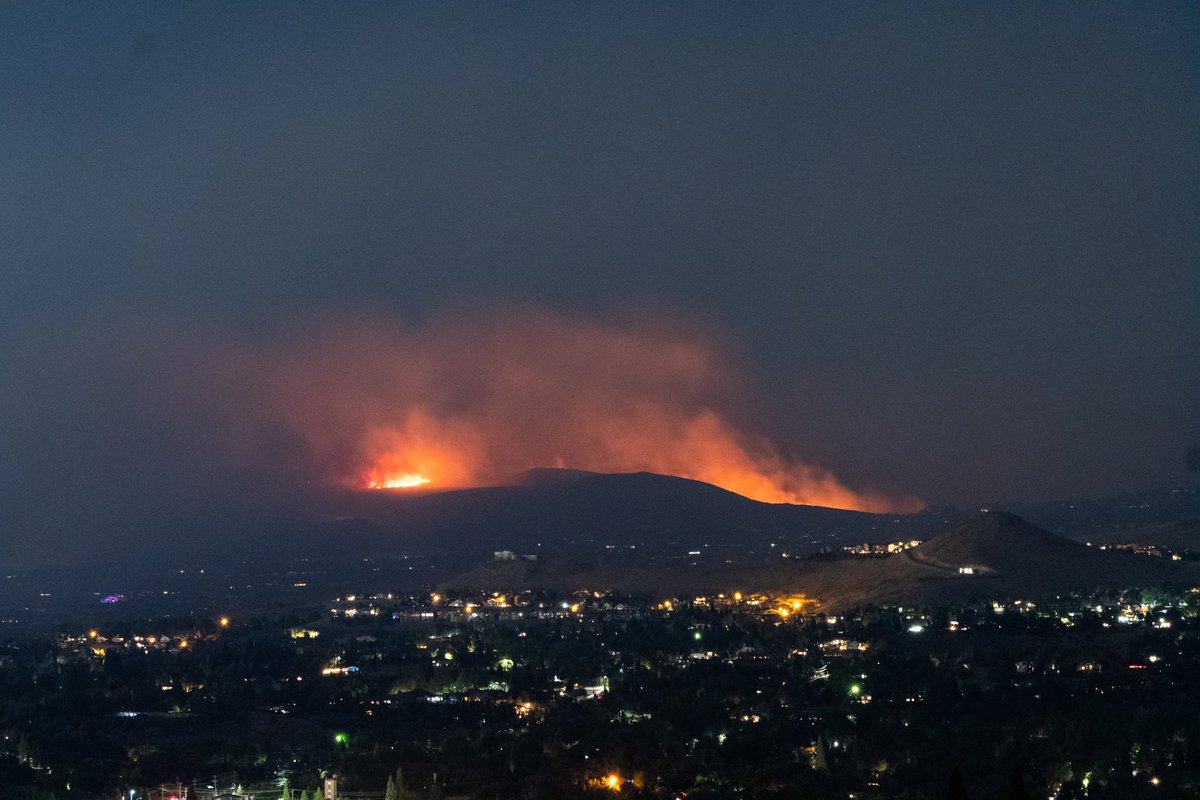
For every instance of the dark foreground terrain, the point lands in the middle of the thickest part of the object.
(986, 658)
(588, 694)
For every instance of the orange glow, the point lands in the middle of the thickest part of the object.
(420, 450)
(704, 447)
(475, 402)
(405, 480)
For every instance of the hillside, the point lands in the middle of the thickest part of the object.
(1005, 556)
(993, 554)
(571, 513)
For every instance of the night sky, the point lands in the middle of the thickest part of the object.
(949, 251)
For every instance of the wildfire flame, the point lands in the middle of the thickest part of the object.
(475, 402)
(405, 480)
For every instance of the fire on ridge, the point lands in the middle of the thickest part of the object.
(473, 401)
(405, 480)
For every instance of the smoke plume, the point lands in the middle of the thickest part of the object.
(469, 402)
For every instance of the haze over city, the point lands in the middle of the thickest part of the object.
(949, 256)
(565, 401)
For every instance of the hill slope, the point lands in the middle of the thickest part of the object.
(574, 513)
(1006, 556)
(994, 554)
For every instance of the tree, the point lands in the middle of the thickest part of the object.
(285, 793)
(819, 761)
(1072, 790)
(390, 793)
(23, 752)
(397, 783)
(1016, 789)
(958, 788)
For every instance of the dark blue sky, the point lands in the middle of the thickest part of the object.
(957, 245)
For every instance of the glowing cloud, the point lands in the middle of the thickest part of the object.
(470, 402)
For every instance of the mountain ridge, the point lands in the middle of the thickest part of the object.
(569, 511)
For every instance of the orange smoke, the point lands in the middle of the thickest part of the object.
(470, 403)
